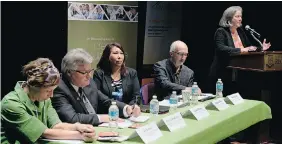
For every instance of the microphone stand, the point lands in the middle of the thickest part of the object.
(252, 33)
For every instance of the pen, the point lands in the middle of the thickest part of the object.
(132, 109)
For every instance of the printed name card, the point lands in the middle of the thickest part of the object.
(220, 104)
(235, 98)
(149, 133)
(174, 121)
(199, 112)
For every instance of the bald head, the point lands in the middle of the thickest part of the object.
(178, 52)
(176, 45)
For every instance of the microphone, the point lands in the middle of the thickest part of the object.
(248, 28)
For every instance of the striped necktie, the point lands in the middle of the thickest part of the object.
(86, 102)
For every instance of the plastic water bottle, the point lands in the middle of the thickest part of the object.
(154, 106)
(195, 94)
(173, 100)
(113, 115)
(219, 88)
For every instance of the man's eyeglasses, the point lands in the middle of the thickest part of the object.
(85, 72)
(181, 54)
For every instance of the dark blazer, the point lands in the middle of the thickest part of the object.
(165, 79)
(130, 84)
(224, 47)
(70, 106)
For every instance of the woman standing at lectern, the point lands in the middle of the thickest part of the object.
(229, 38)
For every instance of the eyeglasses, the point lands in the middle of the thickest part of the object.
(181, 54)
(85, 72)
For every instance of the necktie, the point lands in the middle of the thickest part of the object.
(86, 102)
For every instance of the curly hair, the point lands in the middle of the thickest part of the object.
(41, 73)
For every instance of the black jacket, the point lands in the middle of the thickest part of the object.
(70, 107)
(224, 47)
(165, 82)
(130, 84)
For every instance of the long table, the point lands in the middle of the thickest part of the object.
(212, 129)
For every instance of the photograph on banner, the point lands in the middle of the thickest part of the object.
(69, 4)
(104, 12)
(97, 14)
(121, 14)
(132, 13)
(115, 13)
(78, 11)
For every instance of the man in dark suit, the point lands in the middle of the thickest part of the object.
(171, 74)
(77, 98)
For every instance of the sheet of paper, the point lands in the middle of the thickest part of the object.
(165, 102)
(220, 104)
(64, 141)
(202, 96)
(118, 139)
(199, 112)
(235, 98)
(149, 133)
(124, 124)
(139, 118)
(205, 95)
(174, 121)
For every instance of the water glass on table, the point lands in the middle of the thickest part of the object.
(186, 94)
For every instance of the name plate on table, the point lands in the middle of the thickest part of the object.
(149, 133)
(174, 122)
(199, 112)
(220, 104)
(235, 98)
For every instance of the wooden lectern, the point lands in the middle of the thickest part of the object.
(257, 61)
(259, 73)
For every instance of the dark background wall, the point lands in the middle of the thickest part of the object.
(39, 29)
(30, 30)
(200, 21)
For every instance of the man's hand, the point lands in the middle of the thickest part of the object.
(133, 110)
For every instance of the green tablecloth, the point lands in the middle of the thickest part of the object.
(217, 126)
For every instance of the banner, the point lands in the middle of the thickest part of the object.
(163, 26)
(92, 25)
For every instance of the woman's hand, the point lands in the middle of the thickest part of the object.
(265, 46)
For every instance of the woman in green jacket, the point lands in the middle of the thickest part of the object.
(27, 113)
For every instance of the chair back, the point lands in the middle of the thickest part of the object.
(147, 91)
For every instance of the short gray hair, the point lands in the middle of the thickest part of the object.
(74, 58)
(228, 14)
(174, 45)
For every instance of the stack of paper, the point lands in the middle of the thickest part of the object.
(139, 118)
(117, 139)
(124, 124)
(64, 141)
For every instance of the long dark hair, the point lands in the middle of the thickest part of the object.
(105, 63)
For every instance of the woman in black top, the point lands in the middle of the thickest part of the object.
(113, 78)
(229, 38)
